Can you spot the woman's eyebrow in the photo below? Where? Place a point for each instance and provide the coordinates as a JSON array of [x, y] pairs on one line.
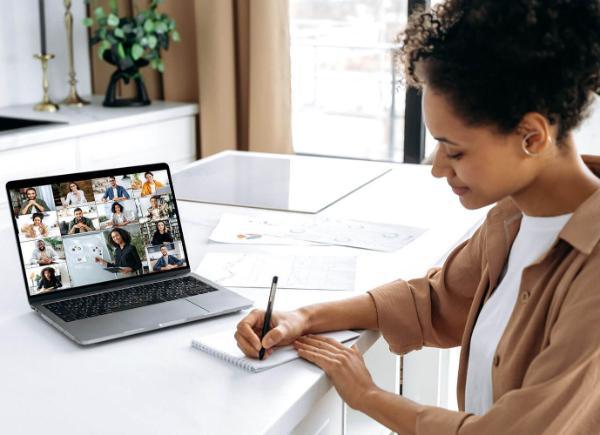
[[445, 140]]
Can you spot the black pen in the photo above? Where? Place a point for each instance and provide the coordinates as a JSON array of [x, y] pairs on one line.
[[267, 321]]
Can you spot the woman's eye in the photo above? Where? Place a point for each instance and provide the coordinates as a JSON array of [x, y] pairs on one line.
[[454, 156]]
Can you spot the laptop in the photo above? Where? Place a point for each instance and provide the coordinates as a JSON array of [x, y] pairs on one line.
[[103, 254]]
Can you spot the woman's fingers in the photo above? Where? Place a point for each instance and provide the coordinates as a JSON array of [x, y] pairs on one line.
[[245, 345], [318, 358], [245, 330], [329, 352], [325, 343]]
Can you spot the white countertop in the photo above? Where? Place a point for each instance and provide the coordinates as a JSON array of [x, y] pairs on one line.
[[81, 121], [156, 383]]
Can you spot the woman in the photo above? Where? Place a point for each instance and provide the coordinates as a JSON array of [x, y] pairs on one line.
[[49, 281], [36, 229], [150, 186], [126, 255], [75, 196], [157, 209], [118, 217], [162, 234], [504, 84]]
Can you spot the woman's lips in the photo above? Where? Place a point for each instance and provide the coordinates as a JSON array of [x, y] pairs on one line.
[[460, 190]]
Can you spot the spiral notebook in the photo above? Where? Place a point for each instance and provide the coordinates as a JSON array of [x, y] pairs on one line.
[[223, 346]]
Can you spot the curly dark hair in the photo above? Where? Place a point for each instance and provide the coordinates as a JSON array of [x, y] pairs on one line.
[[114, 205], [124, 235], [495, 60]]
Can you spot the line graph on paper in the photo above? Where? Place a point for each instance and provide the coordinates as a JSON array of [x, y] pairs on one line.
[[294, 271]]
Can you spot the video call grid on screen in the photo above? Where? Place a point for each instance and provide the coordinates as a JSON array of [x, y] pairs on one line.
[[84, 231]]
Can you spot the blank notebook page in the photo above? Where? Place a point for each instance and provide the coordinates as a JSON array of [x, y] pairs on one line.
[[223, 346]]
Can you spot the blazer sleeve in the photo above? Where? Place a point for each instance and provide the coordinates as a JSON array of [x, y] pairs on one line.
[[559, 393], [432, 310], [124, 193]]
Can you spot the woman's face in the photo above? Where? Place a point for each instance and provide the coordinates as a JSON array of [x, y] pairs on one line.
[[116, 237], [161, 227], [47, 274], [149, 178], [37, 221], [481, 165], [117, 208], [73, 187]]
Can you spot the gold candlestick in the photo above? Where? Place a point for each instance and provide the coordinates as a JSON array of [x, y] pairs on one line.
[[46, 105], [73, 99]]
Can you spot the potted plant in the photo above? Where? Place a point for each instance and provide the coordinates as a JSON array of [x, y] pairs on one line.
[[131, 43]]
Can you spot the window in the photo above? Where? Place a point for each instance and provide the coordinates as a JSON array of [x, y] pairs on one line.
[[346, 99]]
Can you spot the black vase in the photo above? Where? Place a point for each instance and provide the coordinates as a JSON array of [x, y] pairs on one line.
[[127, 70]]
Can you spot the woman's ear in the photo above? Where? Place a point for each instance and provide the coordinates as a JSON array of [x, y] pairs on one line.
[[536, 134]]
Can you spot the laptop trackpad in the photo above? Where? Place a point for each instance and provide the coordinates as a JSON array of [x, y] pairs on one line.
[[163, 314]]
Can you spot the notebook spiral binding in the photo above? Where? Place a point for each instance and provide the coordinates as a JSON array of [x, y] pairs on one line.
[[238, 362]]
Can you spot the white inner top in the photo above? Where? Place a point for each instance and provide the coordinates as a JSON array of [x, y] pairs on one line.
[[536, 235]]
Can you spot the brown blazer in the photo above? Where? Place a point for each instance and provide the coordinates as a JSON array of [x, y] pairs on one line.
[[546, 371]]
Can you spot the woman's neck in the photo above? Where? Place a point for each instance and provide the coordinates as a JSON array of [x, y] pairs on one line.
[[560, 188]]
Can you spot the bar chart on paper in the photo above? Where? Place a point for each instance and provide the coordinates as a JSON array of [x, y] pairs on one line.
[[294, 271]]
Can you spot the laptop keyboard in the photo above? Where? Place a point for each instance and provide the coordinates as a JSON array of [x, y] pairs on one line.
[[126, 299]]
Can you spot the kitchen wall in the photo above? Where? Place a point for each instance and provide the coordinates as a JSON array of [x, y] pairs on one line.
[[20, 73]]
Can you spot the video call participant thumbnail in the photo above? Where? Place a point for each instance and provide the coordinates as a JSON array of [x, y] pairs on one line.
[[126, 255], [151, 185], [158, 209], [37, 228], [162, 234], [43, 254], [33, 204], [114, 192], [166, 261], [75, 196], [80, 224], [118, 218], [49, 280]]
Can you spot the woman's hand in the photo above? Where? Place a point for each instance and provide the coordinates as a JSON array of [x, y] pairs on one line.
[[344, 366], [126, 269], [286, 326], [101, 261]]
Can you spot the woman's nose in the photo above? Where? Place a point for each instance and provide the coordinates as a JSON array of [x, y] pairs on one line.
[[440, 167]]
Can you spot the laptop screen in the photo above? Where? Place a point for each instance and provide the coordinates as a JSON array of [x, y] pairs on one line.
[[81, 230]]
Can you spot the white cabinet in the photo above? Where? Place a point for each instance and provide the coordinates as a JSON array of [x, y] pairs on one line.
[[95, 137]]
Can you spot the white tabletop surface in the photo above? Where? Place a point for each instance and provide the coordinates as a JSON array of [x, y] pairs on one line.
[[90, 119], [156, 383]]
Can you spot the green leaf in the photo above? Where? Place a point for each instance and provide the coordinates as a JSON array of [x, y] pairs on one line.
[[175, 36], [87, 22], [172, 24], [149, 26], [160, 27], [113, 20], [152, 41], [154, 63], [119, 33], [104, 45], [99, 12], [161, 66], [121, 51], [136, 51], [144, 42]]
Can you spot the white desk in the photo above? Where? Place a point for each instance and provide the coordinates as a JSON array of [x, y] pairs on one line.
[[157, 384]]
